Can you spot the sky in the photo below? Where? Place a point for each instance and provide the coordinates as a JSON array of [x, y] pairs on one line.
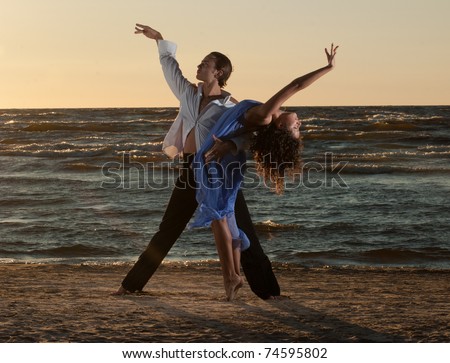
[[84, 53]]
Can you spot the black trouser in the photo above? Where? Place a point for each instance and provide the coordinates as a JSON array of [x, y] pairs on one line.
[[182, 205]]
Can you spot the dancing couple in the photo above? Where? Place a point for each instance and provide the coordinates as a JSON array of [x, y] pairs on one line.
[[211, 131]]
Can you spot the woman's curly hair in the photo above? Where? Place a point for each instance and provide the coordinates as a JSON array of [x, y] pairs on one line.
[[276, 153]]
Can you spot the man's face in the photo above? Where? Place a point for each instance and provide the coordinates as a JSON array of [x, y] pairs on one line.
[[206, 70]]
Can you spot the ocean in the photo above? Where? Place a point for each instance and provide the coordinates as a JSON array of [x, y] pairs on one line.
[[90, 186]]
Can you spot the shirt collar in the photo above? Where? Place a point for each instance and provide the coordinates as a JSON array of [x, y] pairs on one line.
[[226, 96]]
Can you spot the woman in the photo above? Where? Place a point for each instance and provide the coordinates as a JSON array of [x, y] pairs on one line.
[[275, 149]]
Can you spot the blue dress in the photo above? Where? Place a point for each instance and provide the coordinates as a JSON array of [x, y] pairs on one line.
[[218, 183]]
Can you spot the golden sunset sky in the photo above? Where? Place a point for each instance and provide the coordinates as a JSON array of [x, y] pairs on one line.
[[84, 53]]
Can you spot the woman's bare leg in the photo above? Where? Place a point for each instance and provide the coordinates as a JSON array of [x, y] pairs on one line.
[[237, 264], [222, 236], [237, 259]]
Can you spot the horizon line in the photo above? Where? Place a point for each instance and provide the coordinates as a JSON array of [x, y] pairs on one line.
[[176, 107]]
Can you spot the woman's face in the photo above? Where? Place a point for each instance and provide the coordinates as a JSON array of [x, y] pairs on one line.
[[206, 70], [289, 121]]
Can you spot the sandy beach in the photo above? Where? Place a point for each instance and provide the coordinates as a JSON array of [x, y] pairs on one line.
[[72, 303]]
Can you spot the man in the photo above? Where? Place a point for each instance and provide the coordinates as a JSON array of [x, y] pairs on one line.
[[200, 107]]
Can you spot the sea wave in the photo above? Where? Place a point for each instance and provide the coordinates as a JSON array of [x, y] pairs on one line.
[[426, 257], [65, 149], [80, 167], [357, 168], [14, 201], [79, 127], [270, 226], [76, 250]]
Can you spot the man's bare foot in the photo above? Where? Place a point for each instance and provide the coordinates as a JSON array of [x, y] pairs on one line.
[[278, 297], [121, 292]]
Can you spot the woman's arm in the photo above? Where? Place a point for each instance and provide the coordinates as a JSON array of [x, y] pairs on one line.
[[264, 113]]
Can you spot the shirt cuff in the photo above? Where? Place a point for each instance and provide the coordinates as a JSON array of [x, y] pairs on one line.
[[166, 47]]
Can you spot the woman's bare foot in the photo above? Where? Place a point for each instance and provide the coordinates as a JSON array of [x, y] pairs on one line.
[[232, 286], [121, 292], [238, 286]]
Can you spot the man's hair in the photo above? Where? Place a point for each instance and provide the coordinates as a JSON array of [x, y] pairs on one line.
[[223, 64]]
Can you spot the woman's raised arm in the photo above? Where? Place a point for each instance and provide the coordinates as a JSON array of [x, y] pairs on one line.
[[264, 113]]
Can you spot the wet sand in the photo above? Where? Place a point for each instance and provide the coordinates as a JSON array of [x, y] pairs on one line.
[[186, 303]]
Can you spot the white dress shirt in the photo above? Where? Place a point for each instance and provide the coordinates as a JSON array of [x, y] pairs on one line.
[[189, 95]]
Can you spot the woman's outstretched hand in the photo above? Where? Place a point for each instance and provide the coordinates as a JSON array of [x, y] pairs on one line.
[[147, 31], [331, 54]]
